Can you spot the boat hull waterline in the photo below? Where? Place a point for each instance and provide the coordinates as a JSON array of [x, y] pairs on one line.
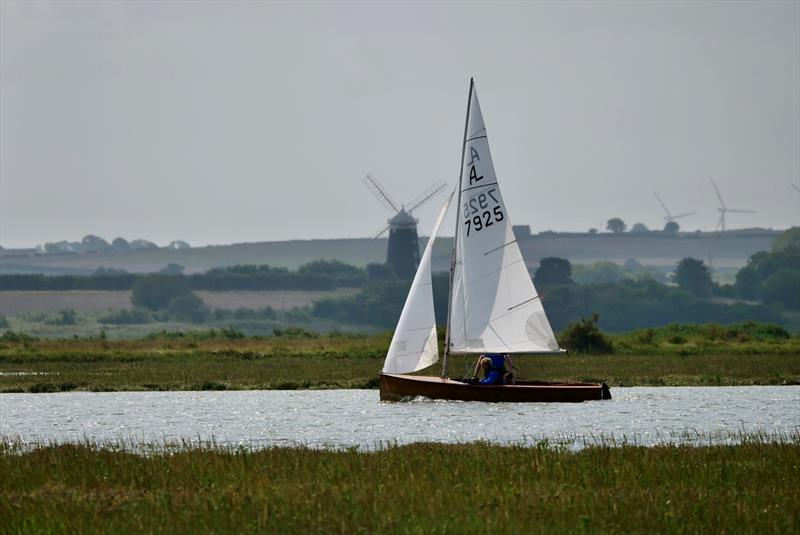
[[400, 387]]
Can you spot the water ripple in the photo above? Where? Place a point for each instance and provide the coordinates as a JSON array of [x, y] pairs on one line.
[[355, 418]]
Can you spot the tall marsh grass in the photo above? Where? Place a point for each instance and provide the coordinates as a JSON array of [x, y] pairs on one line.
[[420, 488]]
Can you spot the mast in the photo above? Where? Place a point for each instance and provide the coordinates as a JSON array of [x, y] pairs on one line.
[[455, 235]]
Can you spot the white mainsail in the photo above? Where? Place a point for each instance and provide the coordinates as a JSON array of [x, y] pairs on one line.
[[494, 305], [414, 344]]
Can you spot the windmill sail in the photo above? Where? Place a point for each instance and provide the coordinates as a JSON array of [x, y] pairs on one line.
[[414, 344], [494, 305]]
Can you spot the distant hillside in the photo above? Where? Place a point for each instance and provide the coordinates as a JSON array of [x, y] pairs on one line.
[[290, 254], [725, 249], [729, 249]]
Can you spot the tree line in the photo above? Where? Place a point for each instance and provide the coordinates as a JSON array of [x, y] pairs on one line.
[[621, 306], [92, 243], [317, 275], [770, 277]]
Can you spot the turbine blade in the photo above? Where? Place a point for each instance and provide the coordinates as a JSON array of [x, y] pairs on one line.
[[717, 191], [795, 186], [380, 193], [683, 215], [740, 211], [426, 195], [664, 206]]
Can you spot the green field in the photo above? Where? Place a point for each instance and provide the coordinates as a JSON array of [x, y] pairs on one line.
[[421, 488], [87, 325], [207, 360], [40, 303]]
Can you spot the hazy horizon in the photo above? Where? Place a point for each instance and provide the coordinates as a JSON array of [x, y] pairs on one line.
[[219, 123]]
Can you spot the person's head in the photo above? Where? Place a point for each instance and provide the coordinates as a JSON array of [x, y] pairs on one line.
[[485, 363]]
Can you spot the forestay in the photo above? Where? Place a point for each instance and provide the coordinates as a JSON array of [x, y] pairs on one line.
[[494, 306], [414, 344]]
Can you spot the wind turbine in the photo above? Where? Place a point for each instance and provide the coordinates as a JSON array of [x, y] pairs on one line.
[[724, 209], [669, 217]]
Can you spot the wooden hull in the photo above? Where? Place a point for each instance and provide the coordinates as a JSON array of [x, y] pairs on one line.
[[396, 387]]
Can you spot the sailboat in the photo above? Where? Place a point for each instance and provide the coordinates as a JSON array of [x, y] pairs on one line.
[[493, 307]]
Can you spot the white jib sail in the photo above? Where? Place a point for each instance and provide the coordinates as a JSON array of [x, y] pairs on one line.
[[495, 308], [414, 344]]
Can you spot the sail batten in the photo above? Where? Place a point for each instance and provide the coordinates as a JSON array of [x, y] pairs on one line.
[[499, 247]]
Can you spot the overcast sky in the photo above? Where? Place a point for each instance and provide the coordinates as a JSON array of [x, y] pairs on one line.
[[238, 122]]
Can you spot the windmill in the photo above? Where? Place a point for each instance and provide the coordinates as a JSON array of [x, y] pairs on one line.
[[724, 209], [669, 218], [403, 250]]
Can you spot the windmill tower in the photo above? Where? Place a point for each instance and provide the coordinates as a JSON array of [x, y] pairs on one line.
[[403, 250], [724, 209], [668, 217]]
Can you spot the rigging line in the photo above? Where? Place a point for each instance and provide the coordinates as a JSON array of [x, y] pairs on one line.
[[529, 326], [524, 302], [481, 186], [464, 305], [477, 351], [501, 268], [543, 337], [405, 355], [476, 137], [509, 311], [428, 328], [458, 224], [523, 351], [513, 347], [413, 353], [487, 253], [479, 330], [499, 337]]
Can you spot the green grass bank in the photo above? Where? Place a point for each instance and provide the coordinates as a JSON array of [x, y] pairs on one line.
[[421, 488], [677, 355]]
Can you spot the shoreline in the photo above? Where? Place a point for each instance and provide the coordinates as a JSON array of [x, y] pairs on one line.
[[673, 356]]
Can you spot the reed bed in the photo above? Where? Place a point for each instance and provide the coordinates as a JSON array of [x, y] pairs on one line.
[[421, 488], [195, 362]]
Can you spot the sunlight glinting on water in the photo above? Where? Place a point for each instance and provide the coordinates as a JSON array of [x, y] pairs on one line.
[[355, 418]]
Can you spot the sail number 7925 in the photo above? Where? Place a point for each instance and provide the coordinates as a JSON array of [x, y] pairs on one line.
[[482, 211]]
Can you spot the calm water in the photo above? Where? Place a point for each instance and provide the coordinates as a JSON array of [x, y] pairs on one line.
[[345, 418]]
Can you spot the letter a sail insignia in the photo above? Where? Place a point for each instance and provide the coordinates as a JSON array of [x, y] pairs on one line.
[[473, 156]]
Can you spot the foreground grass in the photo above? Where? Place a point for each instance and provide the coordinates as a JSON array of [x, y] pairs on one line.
[[674, 356], [422, 488]]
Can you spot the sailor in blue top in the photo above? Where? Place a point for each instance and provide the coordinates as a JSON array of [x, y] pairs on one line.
[[494, 369]]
